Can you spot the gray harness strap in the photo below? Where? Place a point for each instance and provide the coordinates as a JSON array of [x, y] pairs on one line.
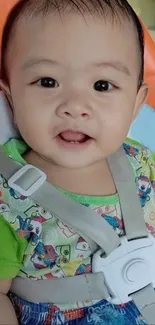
[[131, 210], [84, 220], [91, 286], [77, 216], [145, 301], [61, 291]]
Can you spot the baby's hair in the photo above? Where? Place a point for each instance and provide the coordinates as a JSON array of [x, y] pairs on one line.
[[33, 8]]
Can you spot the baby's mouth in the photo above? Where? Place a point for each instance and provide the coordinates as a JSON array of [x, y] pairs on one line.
[[73, 137]]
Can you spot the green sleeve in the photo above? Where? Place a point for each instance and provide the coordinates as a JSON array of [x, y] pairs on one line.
[[134, 143], [12, 248]]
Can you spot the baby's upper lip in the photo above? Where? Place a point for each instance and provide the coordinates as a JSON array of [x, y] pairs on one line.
[[75, 130]]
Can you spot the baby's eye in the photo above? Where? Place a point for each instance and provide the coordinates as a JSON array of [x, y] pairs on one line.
[[48, 83], [103, 85]]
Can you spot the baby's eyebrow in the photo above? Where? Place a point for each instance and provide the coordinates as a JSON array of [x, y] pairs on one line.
[[114, 65], [31, 63]]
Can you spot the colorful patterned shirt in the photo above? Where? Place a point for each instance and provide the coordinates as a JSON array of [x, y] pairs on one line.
[[36, 244]]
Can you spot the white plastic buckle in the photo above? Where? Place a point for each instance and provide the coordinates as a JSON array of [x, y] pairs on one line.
[[34, 186], [128, 269]]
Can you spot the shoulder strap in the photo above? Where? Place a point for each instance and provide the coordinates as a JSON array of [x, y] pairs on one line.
[[75, 215], [123, 176], [80, 217]]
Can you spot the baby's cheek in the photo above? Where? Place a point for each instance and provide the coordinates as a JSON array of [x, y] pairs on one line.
[[30, 128]]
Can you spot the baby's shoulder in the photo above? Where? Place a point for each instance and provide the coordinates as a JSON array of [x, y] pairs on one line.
[[20, 212], [141, 159]]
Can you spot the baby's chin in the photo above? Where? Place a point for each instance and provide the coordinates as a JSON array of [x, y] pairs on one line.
[[73, 163]]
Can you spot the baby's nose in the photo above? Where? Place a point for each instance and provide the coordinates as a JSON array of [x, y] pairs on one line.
[[74, 110]]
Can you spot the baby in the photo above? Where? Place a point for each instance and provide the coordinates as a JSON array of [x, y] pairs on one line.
[[72, 72]]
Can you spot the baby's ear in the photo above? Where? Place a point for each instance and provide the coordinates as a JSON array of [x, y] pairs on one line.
[[7, 92], [140, 99]]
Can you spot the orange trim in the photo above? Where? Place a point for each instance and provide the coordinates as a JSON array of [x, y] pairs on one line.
[[5, 6], [74, 314], [149, 69]]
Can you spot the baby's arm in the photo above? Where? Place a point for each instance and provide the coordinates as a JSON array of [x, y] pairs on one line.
[[12, 248], [7, 313]]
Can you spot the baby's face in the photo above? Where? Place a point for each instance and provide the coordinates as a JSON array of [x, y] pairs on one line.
[[73, 83]]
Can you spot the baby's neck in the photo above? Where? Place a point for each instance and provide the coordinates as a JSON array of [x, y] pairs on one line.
[[92, 180]]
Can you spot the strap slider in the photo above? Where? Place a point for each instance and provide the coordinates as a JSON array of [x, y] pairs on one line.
[[27, 180]]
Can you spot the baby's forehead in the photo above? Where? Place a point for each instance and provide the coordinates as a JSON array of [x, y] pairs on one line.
[[55, 36]]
